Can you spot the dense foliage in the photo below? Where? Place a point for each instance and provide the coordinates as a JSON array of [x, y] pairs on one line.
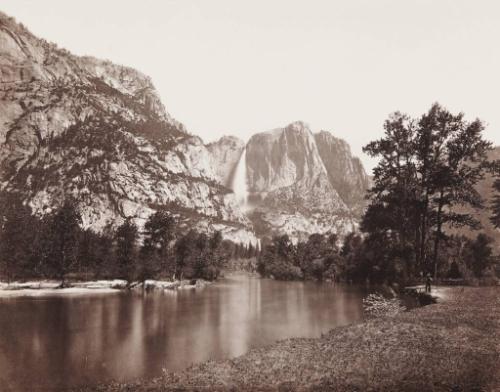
[[55, 246], [319, 258], [361, 260], [427, 173]]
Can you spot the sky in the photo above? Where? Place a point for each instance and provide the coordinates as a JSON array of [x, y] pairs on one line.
[[230, 67]]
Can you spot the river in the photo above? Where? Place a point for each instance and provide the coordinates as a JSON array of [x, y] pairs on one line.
[[55, 341]]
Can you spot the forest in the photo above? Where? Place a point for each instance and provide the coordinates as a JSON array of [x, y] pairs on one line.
[[56, 247]]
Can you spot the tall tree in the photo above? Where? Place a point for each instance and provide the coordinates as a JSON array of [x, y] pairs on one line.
[[94, 252], [126, 253], [459, 162], [159, 231], [64, 230], [201, 256], [185, 255], [217, 257], [393, 215], [17, 230], [426, 169]]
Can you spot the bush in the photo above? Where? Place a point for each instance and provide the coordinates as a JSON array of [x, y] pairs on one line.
[[282, 270], [454, 272]]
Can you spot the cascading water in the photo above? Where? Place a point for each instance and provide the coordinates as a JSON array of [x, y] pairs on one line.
[[239, 184]]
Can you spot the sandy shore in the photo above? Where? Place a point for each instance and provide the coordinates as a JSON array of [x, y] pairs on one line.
[[51, 287]]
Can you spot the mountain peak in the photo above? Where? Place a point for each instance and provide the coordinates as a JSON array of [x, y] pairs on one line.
[[299, 126], [228, 139]]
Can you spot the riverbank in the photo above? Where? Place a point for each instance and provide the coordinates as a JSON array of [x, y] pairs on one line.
[[50, 287], [451, 345]]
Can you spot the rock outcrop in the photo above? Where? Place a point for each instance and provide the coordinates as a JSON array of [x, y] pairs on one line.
[[345, 172], [283, 157], [98, 131], [226, 153], [290, 186]]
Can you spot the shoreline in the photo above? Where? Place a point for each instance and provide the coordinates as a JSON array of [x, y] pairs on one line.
[[450, 345], [54, 287]]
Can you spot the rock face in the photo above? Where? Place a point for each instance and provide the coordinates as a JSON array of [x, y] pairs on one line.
[[283, 157], [98, 131], [345, 172], [292, 189], [226, 153]]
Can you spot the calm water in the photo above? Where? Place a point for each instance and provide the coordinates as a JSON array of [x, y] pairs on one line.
[[67, 340]]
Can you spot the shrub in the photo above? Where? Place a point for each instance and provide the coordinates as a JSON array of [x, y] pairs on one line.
[[376, 305], [284, 271]]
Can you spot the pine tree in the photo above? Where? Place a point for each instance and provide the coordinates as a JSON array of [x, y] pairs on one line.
[[159, 231], [63, 235], [216, 257], [185, 254], [250, 251], [17, 230], [126, 254], [201, 256], [103, 250]]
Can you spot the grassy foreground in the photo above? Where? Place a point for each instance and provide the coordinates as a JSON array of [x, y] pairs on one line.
[[450, 346]]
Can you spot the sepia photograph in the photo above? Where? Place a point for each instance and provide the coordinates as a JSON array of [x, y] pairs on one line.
[[265, 195]]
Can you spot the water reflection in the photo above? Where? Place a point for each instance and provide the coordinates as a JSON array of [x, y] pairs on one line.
[[65, 341]]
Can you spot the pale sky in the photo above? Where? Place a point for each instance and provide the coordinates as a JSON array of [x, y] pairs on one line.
[[240, 67]]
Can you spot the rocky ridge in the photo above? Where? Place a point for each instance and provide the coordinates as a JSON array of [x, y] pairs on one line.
[[226, 152], [98, 131], [345, 172]]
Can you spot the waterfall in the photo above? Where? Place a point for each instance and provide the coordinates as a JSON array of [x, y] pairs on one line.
[[239, 183]]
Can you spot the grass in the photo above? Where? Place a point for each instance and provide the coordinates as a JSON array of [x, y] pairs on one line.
[[450, 346]]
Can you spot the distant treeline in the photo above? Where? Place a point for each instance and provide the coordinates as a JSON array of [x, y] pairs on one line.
[[55, 246], [356, 259]]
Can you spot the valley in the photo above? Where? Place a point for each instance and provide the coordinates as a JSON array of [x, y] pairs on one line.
[[135, 255], [88, 129]]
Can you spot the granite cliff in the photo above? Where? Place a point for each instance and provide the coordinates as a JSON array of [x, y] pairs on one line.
[[298, 182], [98, 131]]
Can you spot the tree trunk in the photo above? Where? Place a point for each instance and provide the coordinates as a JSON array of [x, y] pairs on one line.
[[438, 234], [417, 245], [425, 189], [423, 232], [62, 266]]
